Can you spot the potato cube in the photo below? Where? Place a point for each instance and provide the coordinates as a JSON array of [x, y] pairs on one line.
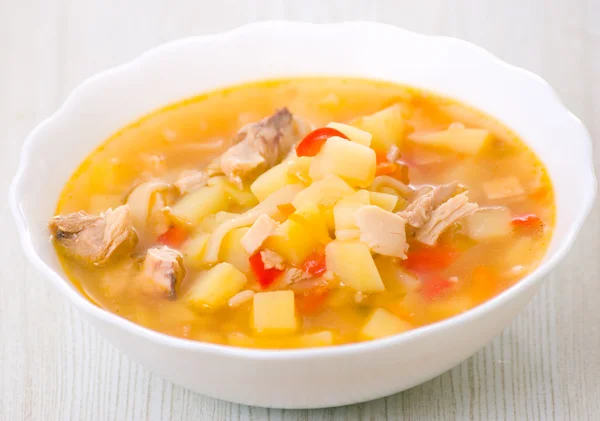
[[352, 263], [387, 127], [383, 323], [213, 288], [385, 201], [456, 137], [313, 221], [488, 224], [200, 203], [353, 162], [291, 242], [503, 188], [193, 248], [232, 251], [274, 312], [323, 193], [352, 133], [346, 207], [241, 197], [288, 172]]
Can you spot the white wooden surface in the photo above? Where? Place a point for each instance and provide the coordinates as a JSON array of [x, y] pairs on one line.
[[545, 366]]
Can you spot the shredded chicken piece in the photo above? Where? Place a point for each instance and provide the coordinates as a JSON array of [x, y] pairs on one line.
[[240, 298], [190, 180], [426, 200], [272, 260], [384, 232], [164, 267], [262, 228], [445, 215], [259, 146], [94, 238], [293, 275]]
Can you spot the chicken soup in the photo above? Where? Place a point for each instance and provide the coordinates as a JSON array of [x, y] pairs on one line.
[[303, 213]]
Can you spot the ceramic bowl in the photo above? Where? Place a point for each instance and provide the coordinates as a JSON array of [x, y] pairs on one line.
[[304, 378]]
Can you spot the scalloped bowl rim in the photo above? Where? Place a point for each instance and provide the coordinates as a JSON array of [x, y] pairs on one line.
[[138, 64]]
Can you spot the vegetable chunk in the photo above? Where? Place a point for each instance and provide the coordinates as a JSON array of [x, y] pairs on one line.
[[212, 289], [387, 127], [353, 162], [353, 264], [383, 323], [200, 203], [273, 312]]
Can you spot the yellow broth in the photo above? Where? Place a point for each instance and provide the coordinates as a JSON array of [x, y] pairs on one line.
[[188, 135]]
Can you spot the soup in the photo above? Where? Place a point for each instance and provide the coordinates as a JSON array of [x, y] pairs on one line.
[[302, 213]]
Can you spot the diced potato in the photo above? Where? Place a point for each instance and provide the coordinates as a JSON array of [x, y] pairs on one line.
[[213, 288], [457, 138], [383, 323], [519, 253], [313, 221], [288, 172], [243, 198], [352, 263], [353, 162], [291, 242], [274, 312], [387, 127], [232, 250], [488, 224], [384, 200], [200, 203], [323, 193], [353, 133], [323, 338], [503, 188], [394, 277], [346, 207], [193, 248]]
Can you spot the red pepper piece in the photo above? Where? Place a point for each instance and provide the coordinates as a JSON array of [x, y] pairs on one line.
[[314, 141], [264, 276]]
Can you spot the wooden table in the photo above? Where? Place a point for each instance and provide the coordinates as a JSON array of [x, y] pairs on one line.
[[53, 366]]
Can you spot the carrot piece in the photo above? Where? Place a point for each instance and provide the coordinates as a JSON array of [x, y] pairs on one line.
[[315, 264], [314, 141], [173, 237], [528, 221], [312, 300], [429, 259], [385, 168], [484, 283], [264, 276]]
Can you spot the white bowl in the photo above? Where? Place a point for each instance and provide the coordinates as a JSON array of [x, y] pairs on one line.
[[312, 377]]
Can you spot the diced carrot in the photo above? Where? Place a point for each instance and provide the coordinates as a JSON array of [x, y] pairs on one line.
[[314, 141], [385, 168], [174, 237], [311, 301], [528, 221], [429, 259], [286, 209], [380, 157], [484, 283], [315, 264], [264, 276], [434, 287]]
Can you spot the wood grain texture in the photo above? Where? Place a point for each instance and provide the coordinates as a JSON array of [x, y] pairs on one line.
[[545, 366]]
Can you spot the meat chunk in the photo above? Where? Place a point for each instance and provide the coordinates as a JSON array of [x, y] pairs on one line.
[[259, 146], [443, 216], [164, 267], [94, 238], [272, 260], [426, 200], [191, 180], [262, 228], [384, 232]]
